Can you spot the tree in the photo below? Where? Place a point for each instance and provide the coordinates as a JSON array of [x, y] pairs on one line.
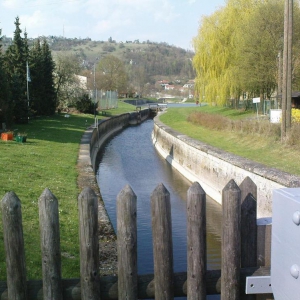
[[42, 92], [138, 78], [215, 56], [48, 68], [66, 83], [260, 39], [6, 108], [112, 74], [37, 79], [237, 50], [15, 64]]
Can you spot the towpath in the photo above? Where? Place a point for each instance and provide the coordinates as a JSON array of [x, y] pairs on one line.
[[107, 236]]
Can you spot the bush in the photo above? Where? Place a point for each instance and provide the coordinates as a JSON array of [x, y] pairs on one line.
[[246, 126], [85, 104], [295, 115], [293, 136]]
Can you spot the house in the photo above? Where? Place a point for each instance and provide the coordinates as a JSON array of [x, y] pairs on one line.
[[295, 99], [169, 87], [162, 83], [82, 81]]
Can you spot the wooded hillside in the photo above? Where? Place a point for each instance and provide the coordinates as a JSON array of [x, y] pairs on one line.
[[159, 60]]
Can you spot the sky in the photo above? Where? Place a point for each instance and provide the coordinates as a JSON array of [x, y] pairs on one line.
[[175, 22]]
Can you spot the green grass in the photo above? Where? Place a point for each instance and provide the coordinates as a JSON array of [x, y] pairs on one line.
[[47, 160], [260, 148]]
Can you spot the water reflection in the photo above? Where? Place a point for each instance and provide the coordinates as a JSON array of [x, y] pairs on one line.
[[130, 158]]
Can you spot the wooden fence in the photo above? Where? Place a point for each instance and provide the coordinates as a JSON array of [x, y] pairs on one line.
[[239, 244]]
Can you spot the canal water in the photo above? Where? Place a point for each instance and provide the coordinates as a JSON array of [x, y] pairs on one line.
[[130, 158]]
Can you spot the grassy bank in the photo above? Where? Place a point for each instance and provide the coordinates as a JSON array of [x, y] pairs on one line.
[[47, 160], [260, 147]]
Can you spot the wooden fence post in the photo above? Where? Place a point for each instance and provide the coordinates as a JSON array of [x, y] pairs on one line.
[[196, 243], [231, 242], [50, 244], [248, 228], [127, 244], [162, 243], [89, 245], [14, 247]]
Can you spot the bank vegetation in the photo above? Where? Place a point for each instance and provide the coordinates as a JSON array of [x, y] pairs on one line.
[[240, 132]]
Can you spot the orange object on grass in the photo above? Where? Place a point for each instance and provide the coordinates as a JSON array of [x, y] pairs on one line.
[[6, 136]]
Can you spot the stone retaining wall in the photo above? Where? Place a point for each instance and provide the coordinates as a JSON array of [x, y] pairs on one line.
[[214, 168]]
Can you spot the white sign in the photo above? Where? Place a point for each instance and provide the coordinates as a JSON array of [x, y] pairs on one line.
[[275, 115], [256, 100]]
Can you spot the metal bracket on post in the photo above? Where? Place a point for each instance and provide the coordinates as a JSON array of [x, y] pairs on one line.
[[258, 285]]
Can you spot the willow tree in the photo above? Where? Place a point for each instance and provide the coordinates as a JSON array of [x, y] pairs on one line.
[[237, 48], [216, 57]]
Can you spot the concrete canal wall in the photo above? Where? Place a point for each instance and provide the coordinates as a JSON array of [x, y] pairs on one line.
[[214, 168]]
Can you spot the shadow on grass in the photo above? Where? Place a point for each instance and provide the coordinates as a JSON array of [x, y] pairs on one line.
[[57, 128]]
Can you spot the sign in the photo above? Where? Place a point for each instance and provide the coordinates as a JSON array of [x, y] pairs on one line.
[[275, 115], [256, 100]]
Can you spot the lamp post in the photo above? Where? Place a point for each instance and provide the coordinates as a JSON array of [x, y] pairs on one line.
[[95, 94]]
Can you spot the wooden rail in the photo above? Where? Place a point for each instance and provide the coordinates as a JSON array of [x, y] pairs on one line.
[[238, 249]]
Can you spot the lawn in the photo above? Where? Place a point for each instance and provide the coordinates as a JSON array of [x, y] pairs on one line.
[[47, 160]]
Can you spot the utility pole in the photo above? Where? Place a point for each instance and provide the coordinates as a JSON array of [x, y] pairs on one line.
[[287, 69], [279, 81]]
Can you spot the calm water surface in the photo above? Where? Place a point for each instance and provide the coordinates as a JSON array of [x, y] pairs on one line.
[[130, 158]]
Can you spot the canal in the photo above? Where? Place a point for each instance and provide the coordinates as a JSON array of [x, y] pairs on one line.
[[130, 158]]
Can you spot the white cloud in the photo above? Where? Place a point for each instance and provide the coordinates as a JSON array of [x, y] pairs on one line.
[[37, 19], [11, 4], [156, 20], [166, 12], [160, 10]]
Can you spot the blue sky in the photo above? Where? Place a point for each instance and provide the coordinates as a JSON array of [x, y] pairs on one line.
[[175, 22]]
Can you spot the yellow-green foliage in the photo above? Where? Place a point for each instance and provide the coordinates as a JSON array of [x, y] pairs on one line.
[[215, 60], [295, 115], [236, 50]]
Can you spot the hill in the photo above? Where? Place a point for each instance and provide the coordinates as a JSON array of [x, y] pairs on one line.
[[155, 61], [159, 60]]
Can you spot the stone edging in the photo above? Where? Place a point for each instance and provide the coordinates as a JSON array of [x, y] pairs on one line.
[[107, 236]]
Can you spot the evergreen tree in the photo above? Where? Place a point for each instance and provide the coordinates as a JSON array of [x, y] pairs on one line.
[[37, 78], [48, 75], [5, 103], [15, 62], [42, 92]]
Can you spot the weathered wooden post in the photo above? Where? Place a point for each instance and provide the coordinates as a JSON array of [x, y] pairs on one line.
[[50, 244], [231, 242], [127, 244], [14, 247], [162, 243], [89, 245], [196, 243], [248, 228]]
